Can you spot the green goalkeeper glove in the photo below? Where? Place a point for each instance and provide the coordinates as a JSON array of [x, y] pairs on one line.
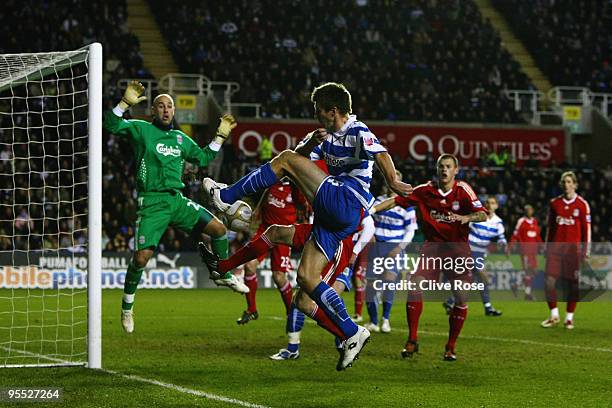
[[132, 95], [226, 124]]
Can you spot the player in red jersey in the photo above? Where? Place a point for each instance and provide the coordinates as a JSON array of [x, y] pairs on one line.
[[528, 236], [279, 205], [447, 207], [568, 244]]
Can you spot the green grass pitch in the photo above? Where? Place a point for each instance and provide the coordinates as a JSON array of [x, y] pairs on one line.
[[189, 338]]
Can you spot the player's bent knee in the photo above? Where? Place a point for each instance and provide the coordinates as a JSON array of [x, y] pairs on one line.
[[304, 303], [215, 229], [280, 234], [141, 257]]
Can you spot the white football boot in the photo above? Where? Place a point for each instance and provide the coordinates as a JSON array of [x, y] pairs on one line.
[[127, 320], [352, 347], [233, 283], [213, 191], [385, 327]]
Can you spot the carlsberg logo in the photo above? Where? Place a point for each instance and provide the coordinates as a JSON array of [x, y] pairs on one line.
[[168, 150]]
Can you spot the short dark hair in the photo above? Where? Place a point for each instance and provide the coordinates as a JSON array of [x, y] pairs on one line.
[[332, 95]]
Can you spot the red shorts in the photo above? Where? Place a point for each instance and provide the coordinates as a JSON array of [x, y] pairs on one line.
[[530, 261], [450, 259], [341, 258], [280, 257], [565, 265]]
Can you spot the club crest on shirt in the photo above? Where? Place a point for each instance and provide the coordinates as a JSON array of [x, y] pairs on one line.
[[455, 205], [179, 139], [576, 212]]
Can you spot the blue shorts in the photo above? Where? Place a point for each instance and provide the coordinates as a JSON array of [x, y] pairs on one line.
[[337, 215], [345, 277]]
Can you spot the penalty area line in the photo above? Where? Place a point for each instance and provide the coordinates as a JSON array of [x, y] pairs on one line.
[[500, 339], [185, 390]]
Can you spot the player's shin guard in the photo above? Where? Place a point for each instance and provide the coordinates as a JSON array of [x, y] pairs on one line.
[[258, 179], [132, 278], [251, 282], [286, 293], [455, 322], [220, 246], [252, 250], [414, 307], [328, 300]]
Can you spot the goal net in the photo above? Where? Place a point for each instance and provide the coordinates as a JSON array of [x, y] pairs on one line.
[[50, 216]]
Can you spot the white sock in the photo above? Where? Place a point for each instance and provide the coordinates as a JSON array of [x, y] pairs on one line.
[[487, 305], [128, 298], [294, 337], [528, 290], [569, 316], [554, 313]]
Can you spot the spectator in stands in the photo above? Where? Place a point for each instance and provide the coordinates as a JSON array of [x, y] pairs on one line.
[[265, 149]]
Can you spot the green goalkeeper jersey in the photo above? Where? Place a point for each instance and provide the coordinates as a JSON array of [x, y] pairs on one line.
[[160, 154]]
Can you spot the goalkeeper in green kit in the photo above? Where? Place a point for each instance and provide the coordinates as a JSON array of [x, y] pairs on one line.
[[160, 152]]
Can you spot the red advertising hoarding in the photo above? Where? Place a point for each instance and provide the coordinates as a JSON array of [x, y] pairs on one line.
[[467, 142]]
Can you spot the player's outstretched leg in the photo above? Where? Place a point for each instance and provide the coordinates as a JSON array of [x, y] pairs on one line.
[[302, 171], [371, 297], [387, 301]]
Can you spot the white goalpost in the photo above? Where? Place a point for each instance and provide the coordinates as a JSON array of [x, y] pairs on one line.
[[51, 208]]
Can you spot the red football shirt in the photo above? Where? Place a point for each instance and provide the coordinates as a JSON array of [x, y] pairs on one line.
[[279, 204], [569, 221], [435, 207], [527, 232]]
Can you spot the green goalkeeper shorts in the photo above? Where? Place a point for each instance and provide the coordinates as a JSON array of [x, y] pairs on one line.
[[157, 211]]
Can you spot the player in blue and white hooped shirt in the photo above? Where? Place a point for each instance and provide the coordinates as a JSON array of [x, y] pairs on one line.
[[339, 200], [482, 234], [395, 229]]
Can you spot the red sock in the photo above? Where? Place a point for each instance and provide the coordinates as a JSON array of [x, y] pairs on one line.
[[455, 322], [252, 250], [287, 295], [251, 282], [571, 306], [325, 322], [527, 280], [413, 314], [551, 298], [359, 295]]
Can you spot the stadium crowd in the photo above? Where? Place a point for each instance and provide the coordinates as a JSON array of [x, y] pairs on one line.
[[387, 56], [403, 60], [570, 40]]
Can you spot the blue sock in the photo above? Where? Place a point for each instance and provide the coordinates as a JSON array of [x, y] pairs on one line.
[[333, 306], [295, 319], [484, 294], [293, 347], [450, 301], [373, 311], [387, 309], [258, 179], [388, 296], [338, 342]]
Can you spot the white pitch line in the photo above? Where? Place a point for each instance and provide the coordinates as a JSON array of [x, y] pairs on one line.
[[170, 386], [502, 339], [186, 390]]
